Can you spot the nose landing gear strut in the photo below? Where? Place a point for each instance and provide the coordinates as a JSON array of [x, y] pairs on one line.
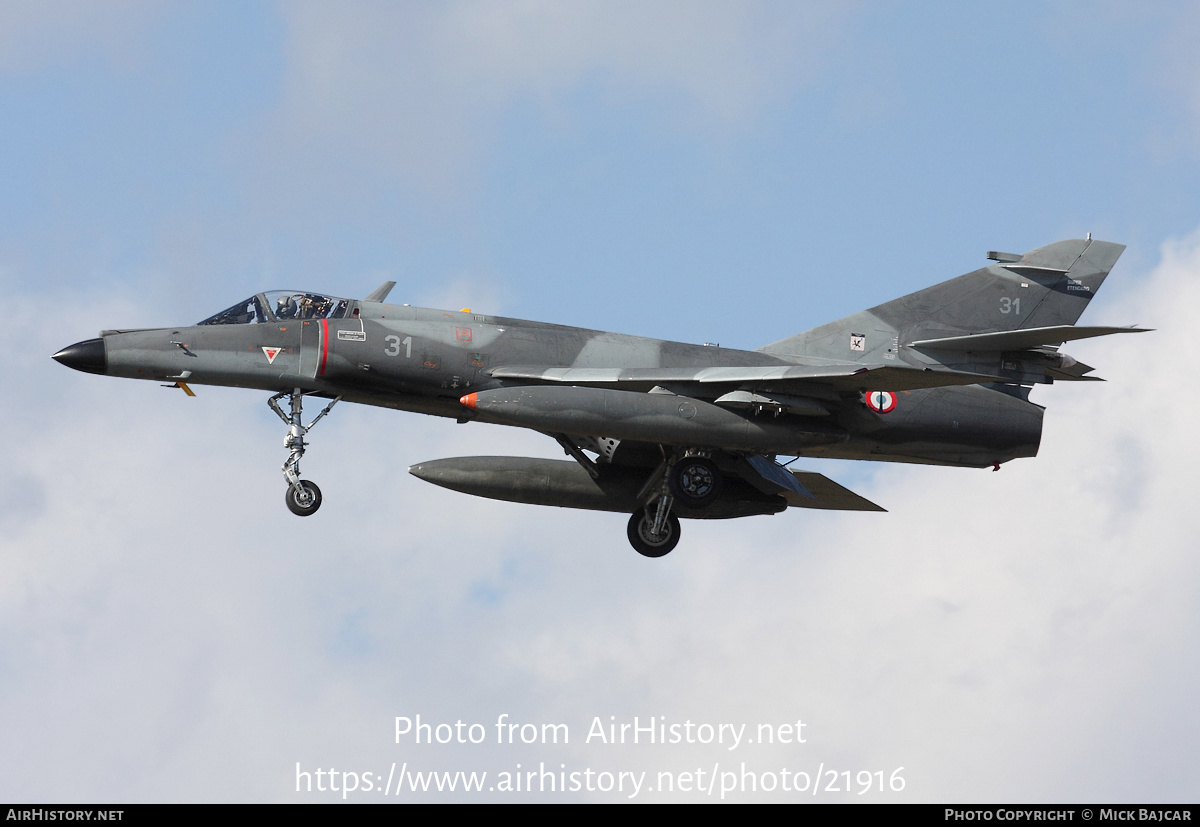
[[303, 497]]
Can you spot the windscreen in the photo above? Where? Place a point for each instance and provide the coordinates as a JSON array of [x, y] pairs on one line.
[[248, 311], [281, 305]]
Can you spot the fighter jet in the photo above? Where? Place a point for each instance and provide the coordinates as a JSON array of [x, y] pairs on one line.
[[656, 429]]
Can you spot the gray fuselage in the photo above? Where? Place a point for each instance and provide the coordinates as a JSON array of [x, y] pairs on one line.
[[424, 360]]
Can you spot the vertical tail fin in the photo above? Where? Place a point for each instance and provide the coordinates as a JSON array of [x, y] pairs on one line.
[[1044, 287]]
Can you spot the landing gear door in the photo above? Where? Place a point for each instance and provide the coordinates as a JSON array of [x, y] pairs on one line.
[[313, 334]]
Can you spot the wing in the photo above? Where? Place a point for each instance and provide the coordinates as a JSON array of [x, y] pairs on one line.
[[827, 494], [801, 489], [837, 379], [847, 377], [1024, 339]]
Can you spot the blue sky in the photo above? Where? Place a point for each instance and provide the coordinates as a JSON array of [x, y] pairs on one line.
[[692, 171]]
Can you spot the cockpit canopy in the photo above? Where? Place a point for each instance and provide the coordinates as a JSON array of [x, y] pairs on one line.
[[281, 306]]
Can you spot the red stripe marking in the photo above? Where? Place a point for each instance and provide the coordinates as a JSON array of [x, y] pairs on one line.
[[324, 346]]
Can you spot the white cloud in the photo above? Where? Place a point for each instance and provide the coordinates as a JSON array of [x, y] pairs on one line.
[[1171, 65], [418, 90], [168, 631], [49, 32]]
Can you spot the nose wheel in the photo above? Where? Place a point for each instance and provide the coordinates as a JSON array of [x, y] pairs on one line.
[[653, 531], [303, 497], [648, 539]]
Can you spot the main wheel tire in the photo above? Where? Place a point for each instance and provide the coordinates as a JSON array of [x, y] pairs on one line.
[[306, 506], [695, 482], [646, 544]]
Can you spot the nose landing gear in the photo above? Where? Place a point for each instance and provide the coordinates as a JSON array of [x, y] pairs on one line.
[[654, 531], [303, 497]]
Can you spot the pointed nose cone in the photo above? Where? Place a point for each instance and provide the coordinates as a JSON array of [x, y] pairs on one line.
[[87, 356]]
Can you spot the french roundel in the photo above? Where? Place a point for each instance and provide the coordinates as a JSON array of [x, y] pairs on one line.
[[881, 401]]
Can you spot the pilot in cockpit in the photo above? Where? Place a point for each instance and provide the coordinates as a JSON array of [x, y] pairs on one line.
[[286, 308]]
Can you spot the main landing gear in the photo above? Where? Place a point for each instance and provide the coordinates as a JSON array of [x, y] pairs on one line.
[[303, 497], [692, 481]]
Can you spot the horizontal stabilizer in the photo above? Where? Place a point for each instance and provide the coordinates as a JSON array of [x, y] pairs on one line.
[[1075, 372], [1022, 339]]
